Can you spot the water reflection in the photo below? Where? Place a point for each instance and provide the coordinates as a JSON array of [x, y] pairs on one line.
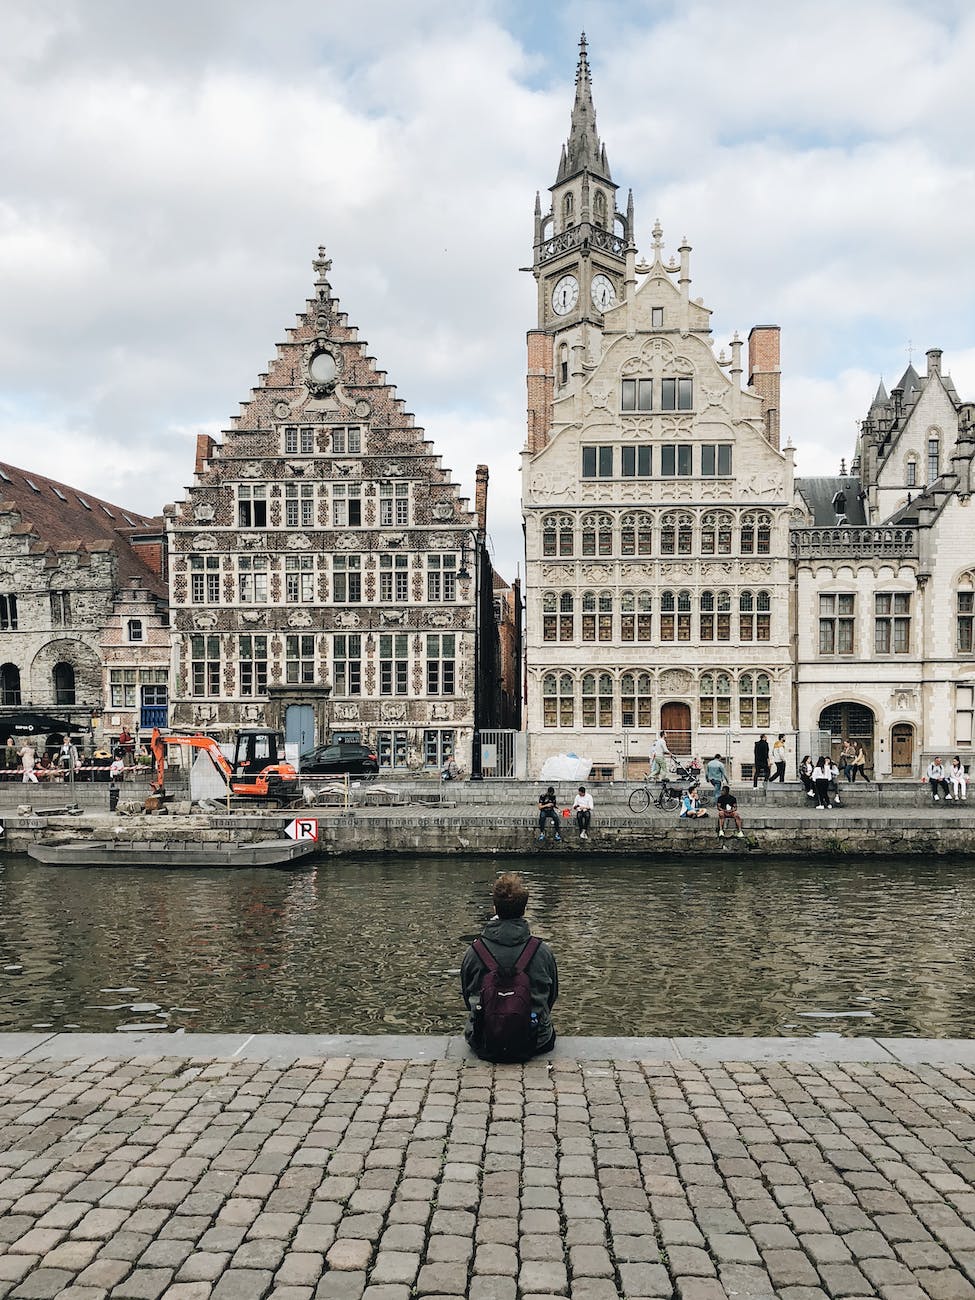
[[373, 946]]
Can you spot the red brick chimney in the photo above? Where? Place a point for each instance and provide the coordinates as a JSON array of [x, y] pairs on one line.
[[541, 388], [765, 376], [204, 450]]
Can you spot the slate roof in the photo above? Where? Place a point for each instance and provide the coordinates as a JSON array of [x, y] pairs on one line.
[[64, 518], [819, 495]]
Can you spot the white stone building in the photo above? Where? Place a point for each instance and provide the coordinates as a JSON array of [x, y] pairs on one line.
[[656, 498]]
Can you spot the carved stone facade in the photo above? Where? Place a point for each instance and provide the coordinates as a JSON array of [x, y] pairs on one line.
[[884, 562], [68, 562], [656, 499], [324, 557]]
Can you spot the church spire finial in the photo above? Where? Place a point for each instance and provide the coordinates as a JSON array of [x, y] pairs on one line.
[[583, 151]]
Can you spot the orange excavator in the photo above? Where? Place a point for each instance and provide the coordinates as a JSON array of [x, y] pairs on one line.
[[259, 770]]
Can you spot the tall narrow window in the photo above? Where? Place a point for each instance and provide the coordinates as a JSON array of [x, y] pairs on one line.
[[965, 619], [563, 365], [441, 664], [8, 613], [911, 469], [9, 684], [252, 505], [597, 535], [299, 659], [676, 461], [892, 622], [299, 505], [636, 395], [64, 690], [934, 459], [60, 608], [205, 665], [347, 664], [347, 505], [558, 700], [836, 623], [299, 577], [715, 700], [252, 579], [394, 663], [656, 318], [964, 715], [557, 535], [441, 577], [205, 579], [636, 462], [754, 700], [756, 533], [394, 579], [253, 665], [636, 534]]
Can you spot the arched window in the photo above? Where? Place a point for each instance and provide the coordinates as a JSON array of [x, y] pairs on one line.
[[754, 698], [627, 616], [934, 458], [715, 700], [568, 209], [756, 533], [676, 534], [557, 535], [557, 616], [9, 684], [599, 210], [965, 615], [558, 700], [683, 616], [597, 535], [644, 616], [566, 616], [63, 684], [597, 700], [716, 533], [636, 534], [588, 616], [668, 605], [707, 615], [911, 471]]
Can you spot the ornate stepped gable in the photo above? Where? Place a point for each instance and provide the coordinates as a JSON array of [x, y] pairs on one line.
[[322, 474]]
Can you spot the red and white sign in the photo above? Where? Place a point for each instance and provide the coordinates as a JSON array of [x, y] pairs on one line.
[[302, 828]]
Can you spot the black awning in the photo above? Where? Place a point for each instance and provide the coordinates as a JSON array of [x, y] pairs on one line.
[[26, 722]]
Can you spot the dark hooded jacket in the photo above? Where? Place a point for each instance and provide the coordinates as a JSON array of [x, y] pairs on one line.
[[505, 940]]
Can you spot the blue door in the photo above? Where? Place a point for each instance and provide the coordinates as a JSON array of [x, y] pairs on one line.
[[299, 726]]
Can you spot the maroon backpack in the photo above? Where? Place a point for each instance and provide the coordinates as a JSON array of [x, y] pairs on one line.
[[503, 1025]]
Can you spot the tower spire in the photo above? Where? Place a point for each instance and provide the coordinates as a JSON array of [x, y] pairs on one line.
[[583, 150]]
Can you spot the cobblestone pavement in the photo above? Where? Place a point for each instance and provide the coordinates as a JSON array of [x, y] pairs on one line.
[[346, 1178]]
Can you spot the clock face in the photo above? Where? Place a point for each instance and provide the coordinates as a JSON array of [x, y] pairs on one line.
[[565, 295], [322, 368], [603, 293]]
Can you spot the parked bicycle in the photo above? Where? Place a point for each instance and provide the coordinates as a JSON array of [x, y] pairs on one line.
[[667, 796]]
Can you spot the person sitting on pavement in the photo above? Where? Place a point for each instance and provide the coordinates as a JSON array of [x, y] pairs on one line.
[[938, 780], [716, 774], [690, 805], [959, 779], [582, 806], [450, 772], [547, 811], [505, 937], [727, 806]]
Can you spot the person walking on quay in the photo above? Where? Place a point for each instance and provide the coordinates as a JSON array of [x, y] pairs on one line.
[[938, 781], [547, 811], [820, 780], [859, 765], [760, 765], [958, 778], [727, 806], [778, 758], [28, 759], [806, 775], [582, 806], [847, 754], [510, 981], [716, 774], [658, 758]]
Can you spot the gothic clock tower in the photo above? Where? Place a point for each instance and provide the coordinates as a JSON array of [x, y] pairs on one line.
[[581, 244]]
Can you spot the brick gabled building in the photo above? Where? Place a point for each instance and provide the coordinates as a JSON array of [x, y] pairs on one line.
[[327, 575], [73, 568]]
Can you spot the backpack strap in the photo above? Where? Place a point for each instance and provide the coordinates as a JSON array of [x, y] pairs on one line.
[[527, 953], [485, 955]]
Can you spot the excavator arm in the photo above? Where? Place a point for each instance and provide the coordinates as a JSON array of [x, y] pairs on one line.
[[157, 746]]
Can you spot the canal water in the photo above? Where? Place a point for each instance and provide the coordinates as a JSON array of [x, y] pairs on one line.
[[713, 946]]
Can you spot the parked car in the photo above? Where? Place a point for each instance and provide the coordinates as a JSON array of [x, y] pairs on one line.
[[334, 760]]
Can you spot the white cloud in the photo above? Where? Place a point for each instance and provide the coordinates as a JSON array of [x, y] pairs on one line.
[[166, 173]]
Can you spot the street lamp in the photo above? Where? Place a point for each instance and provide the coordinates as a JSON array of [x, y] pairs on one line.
[[464, 575]]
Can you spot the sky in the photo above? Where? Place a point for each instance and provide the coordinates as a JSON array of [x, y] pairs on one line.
[[167, 172]]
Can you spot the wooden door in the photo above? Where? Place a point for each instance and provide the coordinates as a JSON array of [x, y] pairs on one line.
[[675, 723], [902, 750]]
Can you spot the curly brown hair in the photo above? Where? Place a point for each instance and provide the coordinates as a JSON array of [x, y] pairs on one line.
[[510, 896]]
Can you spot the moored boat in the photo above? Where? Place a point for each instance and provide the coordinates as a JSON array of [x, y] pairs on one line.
[[172, 853]]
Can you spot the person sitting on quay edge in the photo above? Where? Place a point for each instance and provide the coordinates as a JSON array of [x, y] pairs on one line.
[[546, 811], [938, 780], [506, 938], [582, 806], [716, 774], [958, 778], [450, 772], [820, 779], [727, 806], [690, 805], [806, 775]]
